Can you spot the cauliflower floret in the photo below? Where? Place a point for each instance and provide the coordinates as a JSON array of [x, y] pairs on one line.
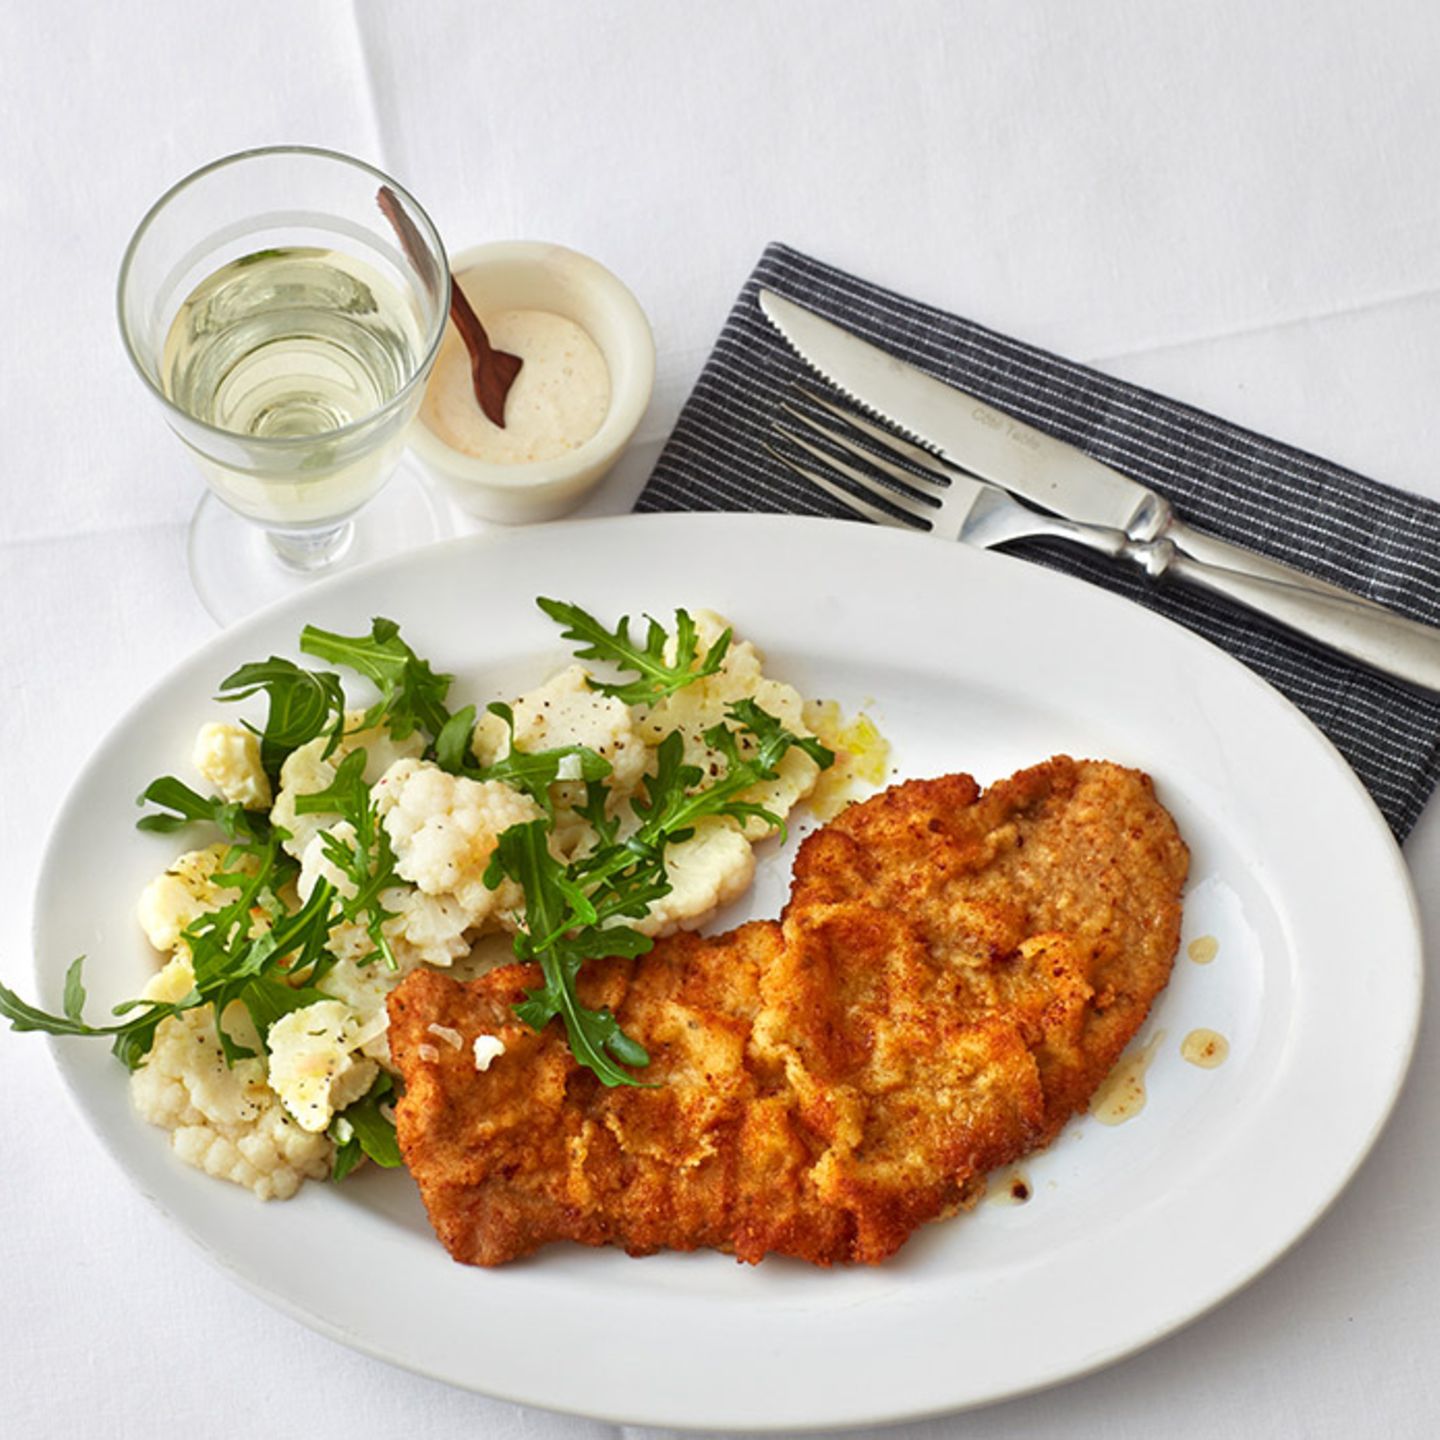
[[313, 1066], [427, 929], [229, 758], [444, 828], [222, 1119], [364, 984], [703, 704], [183, 893], [710, 869], [172, 982], [565, 711], [308, 769], [423, 930]]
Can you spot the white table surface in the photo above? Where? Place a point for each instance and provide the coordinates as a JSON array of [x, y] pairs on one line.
[[1236, 203]]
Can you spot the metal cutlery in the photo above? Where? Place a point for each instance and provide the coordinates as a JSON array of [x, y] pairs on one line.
[[997, 447], [952, 505], [955, 507]]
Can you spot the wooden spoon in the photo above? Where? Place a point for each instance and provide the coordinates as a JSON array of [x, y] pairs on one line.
[[492, 371]]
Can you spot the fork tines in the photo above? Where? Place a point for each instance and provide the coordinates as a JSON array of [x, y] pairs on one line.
[[909, 496]]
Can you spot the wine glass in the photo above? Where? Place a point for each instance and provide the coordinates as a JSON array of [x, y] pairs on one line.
[[288, 333]]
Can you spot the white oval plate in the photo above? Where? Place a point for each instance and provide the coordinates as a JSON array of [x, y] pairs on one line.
[[971, 662]]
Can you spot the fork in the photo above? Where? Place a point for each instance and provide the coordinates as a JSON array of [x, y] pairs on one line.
[[945, 502], [926, 495]]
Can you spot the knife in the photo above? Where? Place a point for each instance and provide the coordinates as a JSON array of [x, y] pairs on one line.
[[997, 447], [986, 442]]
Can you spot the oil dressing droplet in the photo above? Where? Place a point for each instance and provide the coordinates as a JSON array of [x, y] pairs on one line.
[[1205, 1048], [1121, 1095], [1203, 949]]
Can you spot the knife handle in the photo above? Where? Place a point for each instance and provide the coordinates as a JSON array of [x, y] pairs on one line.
[[1210, 550], [1369, 633]]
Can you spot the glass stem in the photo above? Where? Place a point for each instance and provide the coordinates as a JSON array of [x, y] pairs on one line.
[[307, 551]]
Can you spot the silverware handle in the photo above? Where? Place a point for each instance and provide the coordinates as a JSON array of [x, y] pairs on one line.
[[1209, 550], [1362, 630], [1113, 543], [996, 517]]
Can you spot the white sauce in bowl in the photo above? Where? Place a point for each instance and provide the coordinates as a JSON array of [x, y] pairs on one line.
[[558, 401]]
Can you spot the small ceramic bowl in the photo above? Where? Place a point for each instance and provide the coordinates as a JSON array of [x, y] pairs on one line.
[[531, 275]]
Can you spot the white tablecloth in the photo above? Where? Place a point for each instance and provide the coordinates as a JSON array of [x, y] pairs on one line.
[[1234, 203]]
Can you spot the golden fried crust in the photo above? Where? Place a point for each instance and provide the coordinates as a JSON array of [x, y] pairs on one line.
[[1054, 897], [953, 976]]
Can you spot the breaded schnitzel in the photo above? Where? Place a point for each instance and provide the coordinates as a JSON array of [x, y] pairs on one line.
[[954, 974]]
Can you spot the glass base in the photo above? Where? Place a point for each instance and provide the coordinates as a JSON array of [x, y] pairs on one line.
[[236, 568]]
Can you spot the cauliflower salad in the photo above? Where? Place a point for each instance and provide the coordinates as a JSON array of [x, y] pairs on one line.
[[616, 802]]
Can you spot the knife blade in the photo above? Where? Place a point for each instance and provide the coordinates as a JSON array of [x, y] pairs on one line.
[[978, 438]]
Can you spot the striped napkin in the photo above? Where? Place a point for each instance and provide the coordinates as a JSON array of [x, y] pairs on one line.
[[1270, 497]]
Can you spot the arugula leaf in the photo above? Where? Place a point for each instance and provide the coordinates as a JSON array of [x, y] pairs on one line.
[[347, 794], [135, 1039], [74, 1000], [347, 1149], [303, 704], [766, 742], [375, 1133], [773, 739], [535, 771], [268, 1000], [530, 771], [369, 863], [452, 744], [591, 1032], [132, 1038], [188, 807], [361, 1129], [552, 903], [253, 935], [658, 678], [412, 695], [298, 939], [595, 811]]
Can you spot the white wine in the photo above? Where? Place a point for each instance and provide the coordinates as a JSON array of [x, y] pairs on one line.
[[292, 344], [287, 343]]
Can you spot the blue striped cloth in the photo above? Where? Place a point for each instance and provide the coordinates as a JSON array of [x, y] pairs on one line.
[[1270, 497]]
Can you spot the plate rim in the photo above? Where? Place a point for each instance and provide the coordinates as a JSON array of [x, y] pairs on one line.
[[45, 973]]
